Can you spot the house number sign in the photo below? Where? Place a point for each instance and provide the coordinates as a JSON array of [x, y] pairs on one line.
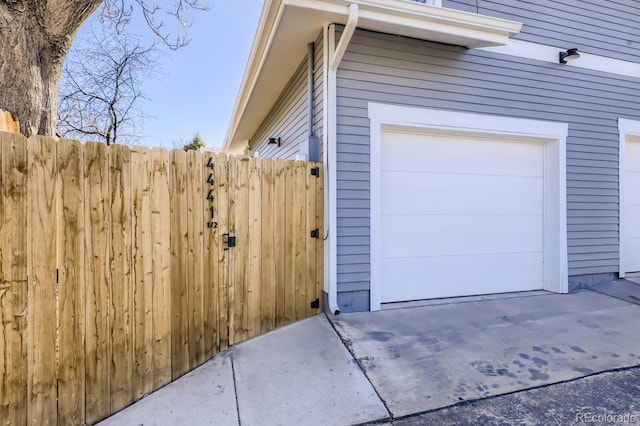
[[211, 224]]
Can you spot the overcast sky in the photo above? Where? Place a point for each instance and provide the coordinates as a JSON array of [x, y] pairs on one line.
[[199, 83]]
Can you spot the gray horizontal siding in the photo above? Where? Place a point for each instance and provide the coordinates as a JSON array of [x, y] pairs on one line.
[[289, 116], [608, 28], [383, 68], [286, 120]]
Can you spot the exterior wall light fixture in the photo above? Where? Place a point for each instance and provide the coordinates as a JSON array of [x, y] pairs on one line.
[[569, 55], [274, 141]]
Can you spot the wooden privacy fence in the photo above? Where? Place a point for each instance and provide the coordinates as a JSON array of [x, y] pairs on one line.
[[123, 268]]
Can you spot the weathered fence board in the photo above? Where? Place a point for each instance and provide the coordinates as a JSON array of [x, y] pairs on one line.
[[13, 284], [254, 272], [42, 297], [209, 257], [161, 268], [319, 223], [222, 223], [119, 272], [195, 235], [98, 285], [267, 240], [239, 227], [290, 258], [141, 169], [312, 245], [121, 315], [179, 278], [301, 234], [71, 297]]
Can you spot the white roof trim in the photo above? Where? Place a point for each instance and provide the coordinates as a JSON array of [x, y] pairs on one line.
[[286, 26]]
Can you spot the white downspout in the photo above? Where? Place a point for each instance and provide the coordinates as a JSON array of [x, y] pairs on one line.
[[335, 54]]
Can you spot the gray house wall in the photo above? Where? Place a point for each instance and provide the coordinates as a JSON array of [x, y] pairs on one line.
[[608, 28], [389, 69], [288, 118]]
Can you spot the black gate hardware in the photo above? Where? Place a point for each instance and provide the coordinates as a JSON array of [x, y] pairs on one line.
[[315, 171], [315, 304], [229, 241], [315, 233]]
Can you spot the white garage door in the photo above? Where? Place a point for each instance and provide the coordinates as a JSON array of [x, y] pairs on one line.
[[630, 209], [460, 215]]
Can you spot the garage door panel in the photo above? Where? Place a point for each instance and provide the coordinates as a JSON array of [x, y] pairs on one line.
[[631, 245], [425, 193], [632, 191], [460, 215], [424, 277], [632, 228], [632, 156], [443, 154], [407, 235], [630, 208]]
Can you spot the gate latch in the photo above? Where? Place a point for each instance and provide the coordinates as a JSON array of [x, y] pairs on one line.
[[229, 241]]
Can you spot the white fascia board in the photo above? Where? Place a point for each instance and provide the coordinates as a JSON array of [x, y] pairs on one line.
[[269, 19], [437, 23]]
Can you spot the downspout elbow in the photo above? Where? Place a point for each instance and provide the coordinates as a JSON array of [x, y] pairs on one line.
[[345, 38]]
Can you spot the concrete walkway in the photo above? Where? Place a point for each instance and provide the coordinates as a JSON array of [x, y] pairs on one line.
[[375, 367]]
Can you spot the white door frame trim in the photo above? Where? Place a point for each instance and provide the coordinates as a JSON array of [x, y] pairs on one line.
[[626, 128], [552, 134]]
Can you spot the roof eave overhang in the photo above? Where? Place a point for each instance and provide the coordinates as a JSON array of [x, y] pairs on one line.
[[286, 26]]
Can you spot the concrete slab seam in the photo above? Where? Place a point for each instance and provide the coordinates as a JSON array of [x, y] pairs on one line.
[[364, 371], [235, 387], [487, 398]]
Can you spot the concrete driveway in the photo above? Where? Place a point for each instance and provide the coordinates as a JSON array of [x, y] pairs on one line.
[[376, 367]]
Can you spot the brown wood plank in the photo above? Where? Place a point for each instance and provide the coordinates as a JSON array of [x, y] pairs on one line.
[[98, 286], [142, 252], [222, 201], [13, 279], [121, 290], [161, 241], [254, 273], [301, 238], [239, 227], [280, 235], [268, 293], [210, 256], [195, 233], [41, 261], [312, 243], [290, 257], [321, 226], [71, 289], [179, 285]]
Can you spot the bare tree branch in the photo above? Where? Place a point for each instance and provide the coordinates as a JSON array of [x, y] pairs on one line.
[[100, 95], [120, 12]]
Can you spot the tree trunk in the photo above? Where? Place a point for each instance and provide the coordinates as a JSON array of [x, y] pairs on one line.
[[35, 37]]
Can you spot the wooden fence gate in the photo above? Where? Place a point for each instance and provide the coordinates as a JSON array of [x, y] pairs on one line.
[[123, 268]]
